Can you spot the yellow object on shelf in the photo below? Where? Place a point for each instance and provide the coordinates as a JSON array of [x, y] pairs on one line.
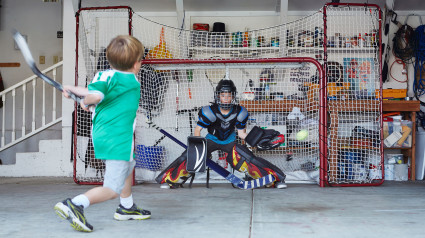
[[392, 93], [333, 89], [406, 132], [160, 51]]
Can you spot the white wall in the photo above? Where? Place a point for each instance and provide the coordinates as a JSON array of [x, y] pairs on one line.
[[40, 22], [413, 21]]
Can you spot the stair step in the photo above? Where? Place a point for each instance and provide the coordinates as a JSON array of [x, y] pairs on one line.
[[49, 161]]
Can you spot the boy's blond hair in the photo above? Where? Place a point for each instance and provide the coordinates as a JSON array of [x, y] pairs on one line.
[[123, 51]]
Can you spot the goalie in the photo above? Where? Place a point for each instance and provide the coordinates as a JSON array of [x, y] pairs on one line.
[[220, 119]]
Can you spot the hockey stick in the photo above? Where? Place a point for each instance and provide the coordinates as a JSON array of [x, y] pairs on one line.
[[23, 46], [240, 183]]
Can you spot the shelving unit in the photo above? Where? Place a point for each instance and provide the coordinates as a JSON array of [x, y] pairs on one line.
[[409, 109]]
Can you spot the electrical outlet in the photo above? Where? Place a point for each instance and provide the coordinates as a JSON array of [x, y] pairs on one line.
[[42, 59], [55, 59]]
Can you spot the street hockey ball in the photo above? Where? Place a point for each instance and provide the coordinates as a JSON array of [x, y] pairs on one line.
[[302, 135]]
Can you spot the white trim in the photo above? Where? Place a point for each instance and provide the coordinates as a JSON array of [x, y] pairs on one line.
[[283, 11], [405, 13], [157, 14], [230, 13]]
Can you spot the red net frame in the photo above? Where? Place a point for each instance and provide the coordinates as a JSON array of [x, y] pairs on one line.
[[327, 153], [372, 105], [80, 115]]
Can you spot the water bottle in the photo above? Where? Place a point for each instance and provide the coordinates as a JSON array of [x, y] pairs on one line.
[[267, 91]]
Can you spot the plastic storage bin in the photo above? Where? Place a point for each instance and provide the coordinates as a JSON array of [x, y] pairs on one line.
[[150, 157]]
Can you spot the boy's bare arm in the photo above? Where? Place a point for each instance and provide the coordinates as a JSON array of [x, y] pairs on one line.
[[77, 90], [242, 133], [89, 99], [198, 130], [92, 99]]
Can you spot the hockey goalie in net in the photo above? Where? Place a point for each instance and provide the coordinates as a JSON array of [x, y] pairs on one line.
[[220, 119]]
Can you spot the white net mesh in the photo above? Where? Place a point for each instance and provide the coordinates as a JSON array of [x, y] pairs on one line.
[[172, 96], [269, 92], [95, 29], [354, 104]]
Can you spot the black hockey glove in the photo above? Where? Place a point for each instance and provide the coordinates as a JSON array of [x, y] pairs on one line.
[[270, 140], [264, 139]]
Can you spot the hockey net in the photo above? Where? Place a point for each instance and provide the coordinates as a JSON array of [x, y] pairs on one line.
[[266, 88], [353, 59], [171, 97]]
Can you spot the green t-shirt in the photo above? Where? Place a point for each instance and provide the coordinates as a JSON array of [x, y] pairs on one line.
[[114, 118]]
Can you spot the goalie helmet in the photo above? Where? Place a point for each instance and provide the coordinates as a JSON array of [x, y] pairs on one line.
[[225, 86]]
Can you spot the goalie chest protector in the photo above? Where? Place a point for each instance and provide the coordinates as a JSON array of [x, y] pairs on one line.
[[219, 125]]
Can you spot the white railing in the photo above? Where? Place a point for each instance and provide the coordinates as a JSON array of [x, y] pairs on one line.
[[16, 117]]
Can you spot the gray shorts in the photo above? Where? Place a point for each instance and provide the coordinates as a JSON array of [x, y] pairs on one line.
[[116, 172]]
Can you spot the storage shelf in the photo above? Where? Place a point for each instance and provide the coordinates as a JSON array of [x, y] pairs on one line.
[[229, 50], [397, 148], [333, 49], [278, 105]]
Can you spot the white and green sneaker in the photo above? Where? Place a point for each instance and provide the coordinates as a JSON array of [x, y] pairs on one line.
[[134, 213], [74, 214]]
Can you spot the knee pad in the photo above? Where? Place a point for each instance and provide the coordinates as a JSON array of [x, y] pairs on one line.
[[243, 160]]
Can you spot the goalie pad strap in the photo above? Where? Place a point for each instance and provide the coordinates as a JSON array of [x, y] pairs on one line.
[[254, 136], [245, 155]]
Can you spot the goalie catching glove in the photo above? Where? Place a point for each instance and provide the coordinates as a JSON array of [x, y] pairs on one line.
[[264, 139]]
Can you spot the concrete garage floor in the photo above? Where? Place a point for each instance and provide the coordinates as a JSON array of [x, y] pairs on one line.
[[394, 209]]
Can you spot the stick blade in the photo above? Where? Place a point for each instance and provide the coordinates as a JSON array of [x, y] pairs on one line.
[[256, 183], [23, 46]]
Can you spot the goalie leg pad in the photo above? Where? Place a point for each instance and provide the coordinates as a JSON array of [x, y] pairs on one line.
[[175, 174], [196, 154], [243, 160]]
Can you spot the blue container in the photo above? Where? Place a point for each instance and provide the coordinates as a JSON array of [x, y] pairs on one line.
[[150, 157], [352, 157]]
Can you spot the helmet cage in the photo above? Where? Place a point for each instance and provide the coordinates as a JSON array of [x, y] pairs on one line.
[[225, 105], [225, 86]]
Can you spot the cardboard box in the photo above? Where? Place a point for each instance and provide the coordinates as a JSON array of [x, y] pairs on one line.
[[392, 93]]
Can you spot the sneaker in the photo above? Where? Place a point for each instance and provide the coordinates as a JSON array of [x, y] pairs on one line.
[[134, 213], [74, 214]]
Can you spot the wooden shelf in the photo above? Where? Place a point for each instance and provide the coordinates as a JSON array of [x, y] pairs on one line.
[[398, 148], [229, 50], [404, 106], [353, 105], [409, 109], [278, 105]]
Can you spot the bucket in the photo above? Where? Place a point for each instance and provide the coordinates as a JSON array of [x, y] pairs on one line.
[[150, 157], [389, 172], [352, 171], [401, 172]]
